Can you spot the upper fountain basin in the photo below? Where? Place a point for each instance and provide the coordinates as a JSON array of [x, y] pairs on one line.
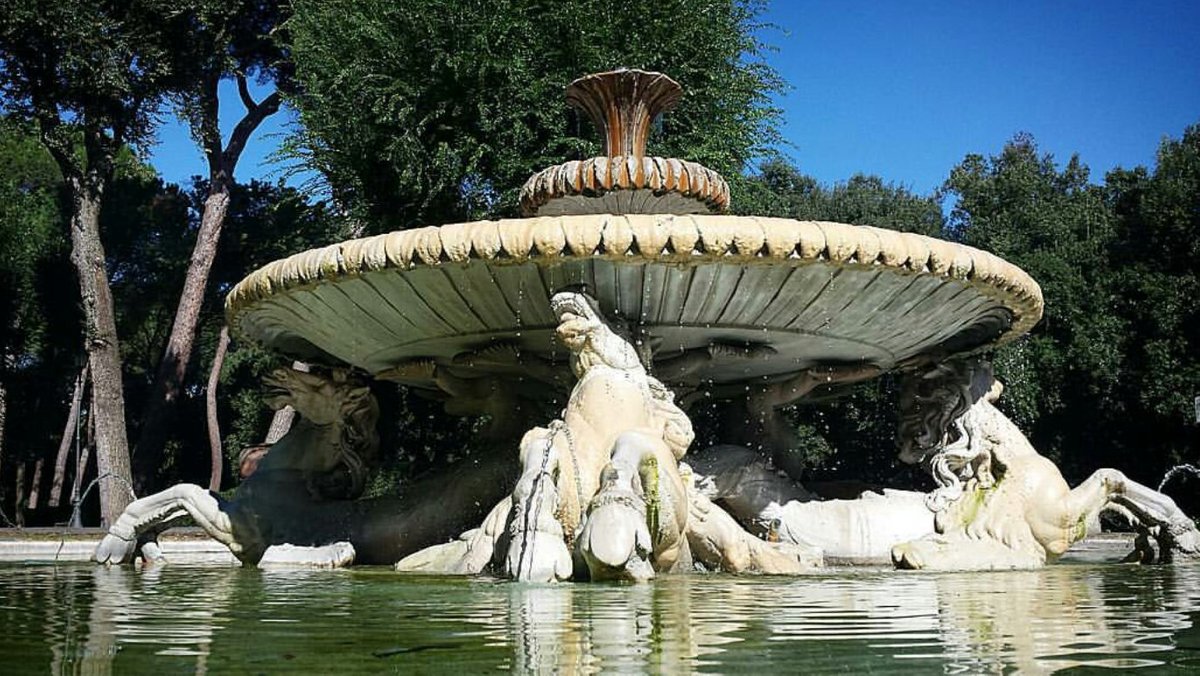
[[806, 293]]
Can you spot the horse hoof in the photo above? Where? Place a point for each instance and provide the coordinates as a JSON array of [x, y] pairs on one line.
[[113, 550], [907, 557]]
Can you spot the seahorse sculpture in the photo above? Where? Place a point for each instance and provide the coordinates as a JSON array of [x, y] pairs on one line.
[[1000, 503], [304, 492]]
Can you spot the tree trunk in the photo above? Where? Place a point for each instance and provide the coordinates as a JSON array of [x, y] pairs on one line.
[[222, 160], [104, 353], [214, 428], [282, 421], [64, 448], [35, 486], [171, 370], [19, 503], [3, 416]]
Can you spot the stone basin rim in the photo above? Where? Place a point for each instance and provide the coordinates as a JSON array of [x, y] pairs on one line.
[[681, 240]]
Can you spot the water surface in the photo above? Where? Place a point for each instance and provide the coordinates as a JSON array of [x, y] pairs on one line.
[[79, 618]]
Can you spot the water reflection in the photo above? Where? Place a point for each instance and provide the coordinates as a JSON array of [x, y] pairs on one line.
[[150, 608], [92, 620]]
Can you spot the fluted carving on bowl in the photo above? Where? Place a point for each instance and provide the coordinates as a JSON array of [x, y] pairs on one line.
[[663, 182]]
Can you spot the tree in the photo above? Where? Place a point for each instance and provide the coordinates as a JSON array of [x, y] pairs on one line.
[[30, 220], [1156, 280], [91, 76], [226, 39], [780, 189], [423, 112]]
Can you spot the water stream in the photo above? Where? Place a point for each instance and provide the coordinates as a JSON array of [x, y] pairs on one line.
[[80, 618]]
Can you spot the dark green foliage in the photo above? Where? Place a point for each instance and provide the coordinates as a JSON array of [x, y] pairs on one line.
[[422, 112], [1156, 281], [1057, 227], [1107, 378], [30, 240], [266, 222], [780, 189], [102, 65], [40, 350], [150, 229]]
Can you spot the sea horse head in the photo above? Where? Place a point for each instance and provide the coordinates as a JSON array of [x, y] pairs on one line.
[[932, 403], [590, 338], [337, 439]]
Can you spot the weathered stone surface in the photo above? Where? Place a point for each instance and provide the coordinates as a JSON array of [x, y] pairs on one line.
[[685, 282], [1000, 504], [335, 555]]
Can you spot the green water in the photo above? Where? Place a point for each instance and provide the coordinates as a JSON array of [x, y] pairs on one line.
[[187, 619]]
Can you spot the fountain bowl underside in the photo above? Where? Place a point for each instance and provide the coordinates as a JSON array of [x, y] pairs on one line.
[[782, 295]]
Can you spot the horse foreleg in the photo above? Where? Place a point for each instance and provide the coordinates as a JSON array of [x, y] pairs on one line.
[[145, 518], [717, 540], [537, 550], [470, 554], [1174, 531]]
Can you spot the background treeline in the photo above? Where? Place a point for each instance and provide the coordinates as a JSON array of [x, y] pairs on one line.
[[423, 112]]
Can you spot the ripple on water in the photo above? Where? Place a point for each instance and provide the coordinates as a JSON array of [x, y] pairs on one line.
[[182, 618]]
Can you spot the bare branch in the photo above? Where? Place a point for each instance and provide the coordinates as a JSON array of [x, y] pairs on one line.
[[243, 130], [244, 92]]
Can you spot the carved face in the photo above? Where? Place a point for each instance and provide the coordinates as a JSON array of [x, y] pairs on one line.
[[578, 320], [319, 399], [590, 339]]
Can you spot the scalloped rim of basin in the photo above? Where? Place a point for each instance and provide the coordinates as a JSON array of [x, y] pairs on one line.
[[677, 240]]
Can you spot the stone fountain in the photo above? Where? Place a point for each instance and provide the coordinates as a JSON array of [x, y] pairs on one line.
[[593, 324]]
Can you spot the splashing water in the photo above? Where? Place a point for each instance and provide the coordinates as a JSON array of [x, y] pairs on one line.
[[1191, 469]]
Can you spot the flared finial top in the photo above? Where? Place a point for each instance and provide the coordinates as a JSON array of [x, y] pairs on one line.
[[622, 104]]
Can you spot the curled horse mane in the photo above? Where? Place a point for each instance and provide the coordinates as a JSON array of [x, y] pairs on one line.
[[357, 447], [937, 422], [933, 402]]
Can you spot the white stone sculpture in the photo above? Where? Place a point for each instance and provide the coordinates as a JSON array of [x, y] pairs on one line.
[[776, 507], [1000, 503], [762, 310], [603, 480], [603, 493]]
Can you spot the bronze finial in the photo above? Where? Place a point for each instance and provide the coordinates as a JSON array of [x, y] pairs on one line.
[[622, 104]]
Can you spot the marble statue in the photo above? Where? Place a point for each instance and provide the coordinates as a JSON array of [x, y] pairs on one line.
[[300, 506], [999, 503], [775, 506], [698, 306], [603, 478], [604, 485]]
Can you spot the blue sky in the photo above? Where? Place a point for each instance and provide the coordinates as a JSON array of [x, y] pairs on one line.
[[905, 89]]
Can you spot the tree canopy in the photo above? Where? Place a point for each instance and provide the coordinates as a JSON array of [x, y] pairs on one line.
[[420, 112]]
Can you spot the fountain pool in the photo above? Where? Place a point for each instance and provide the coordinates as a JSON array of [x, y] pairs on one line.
[[78, 618]]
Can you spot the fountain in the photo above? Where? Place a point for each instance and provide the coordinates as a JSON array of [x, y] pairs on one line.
[[595, 323]]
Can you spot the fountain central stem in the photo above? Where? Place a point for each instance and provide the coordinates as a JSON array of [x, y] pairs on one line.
[[623, 104]]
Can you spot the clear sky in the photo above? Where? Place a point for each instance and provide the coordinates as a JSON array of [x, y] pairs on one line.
[[906, 89]]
